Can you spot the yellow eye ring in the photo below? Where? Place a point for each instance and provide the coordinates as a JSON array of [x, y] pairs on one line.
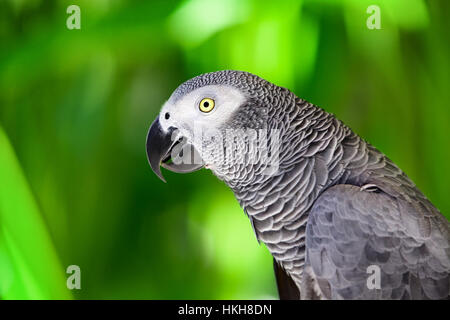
[[206, 105]]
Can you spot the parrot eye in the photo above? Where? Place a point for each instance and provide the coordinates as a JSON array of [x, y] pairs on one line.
[[206, 105]]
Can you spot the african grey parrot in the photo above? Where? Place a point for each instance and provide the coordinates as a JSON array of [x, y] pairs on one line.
[[330, 209]]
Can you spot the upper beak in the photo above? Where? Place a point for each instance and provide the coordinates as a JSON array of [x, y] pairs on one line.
[[160, 146]]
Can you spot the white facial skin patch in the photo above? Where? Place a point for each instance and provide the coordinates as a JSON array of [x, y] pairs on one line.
[[183, 113]]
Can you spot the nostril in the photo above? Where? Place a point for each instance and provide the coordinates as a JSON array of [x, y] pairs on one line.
[[167, 116]]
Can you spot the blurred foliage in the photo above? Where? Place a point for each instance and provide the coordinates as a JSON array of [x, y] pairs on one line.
[[75, 107]]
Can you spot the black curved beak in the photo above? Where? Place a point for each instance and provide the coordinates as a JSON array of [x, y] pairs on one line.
[[164, 146]]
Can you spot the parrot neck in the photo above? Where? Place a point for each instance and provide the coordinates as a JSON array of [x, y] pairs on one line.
[[311, 157]]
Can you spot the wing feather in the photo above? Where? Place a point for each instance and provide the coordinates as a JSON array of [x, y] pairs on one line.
[[350, 229]]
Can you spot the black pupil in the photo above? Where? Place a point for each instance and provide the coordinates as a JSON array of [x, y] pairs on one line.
[[206, 104], [167, 115]]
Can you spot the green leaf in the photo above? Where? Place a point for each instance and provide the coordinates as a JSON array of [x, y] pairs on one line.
[[29, 266]]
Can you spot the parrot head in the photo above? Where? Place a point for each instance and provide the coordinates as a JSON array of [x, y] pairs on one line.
[[193, 122]]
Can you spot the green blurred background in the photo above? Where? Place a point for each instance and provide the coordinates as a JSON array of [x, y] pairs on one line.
[[75, 107]]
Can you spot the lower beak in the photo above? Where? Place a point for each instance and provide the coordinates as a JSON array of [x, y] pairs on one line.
[[161, 147]]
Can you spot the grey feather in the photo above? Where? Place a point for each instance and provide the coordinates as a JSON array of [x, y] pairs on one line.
[[408, 266], [336, 204]]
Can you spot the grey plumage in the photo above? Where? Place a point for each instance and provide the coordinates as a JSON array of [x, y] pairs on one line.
[[335, 205]]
